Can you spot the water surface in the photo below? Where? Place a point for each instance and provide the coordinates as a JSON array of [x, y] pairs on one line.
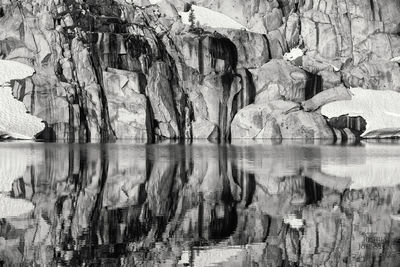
[[201, 204]]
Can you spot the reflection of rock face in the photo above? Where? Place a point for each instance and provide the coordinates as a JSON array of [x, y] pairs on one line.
[[146, 204], [108, 69]]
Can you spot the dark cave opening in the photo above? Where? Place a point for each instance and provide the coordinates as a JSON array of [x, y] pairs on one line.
[[223, 48], [47, 134]]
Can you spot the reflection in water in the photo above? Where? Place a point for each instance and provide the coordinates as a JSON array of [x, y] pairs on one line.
[[201, 205]]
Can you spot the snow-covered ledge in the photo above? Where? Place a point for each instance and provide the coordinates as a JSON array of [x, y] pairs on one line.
[[379, 108], [15, 122]]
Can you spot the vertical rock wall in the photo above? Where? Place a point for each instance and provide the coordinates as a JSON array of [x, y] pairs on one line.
[[108, 69]]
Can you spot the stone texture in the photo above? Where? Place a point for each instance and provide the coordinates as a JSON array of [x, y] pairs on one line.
[[279, 119], [193, 82], [127, 106], [281, 80], [325, 97]]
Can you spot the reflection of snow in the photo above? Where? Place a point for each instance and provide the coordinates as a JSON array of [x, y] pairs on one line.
[[372, 172], [211, 257], [380, 109], [293, 221], [13, 164], [11, 207], [14, 121], [209, 18]]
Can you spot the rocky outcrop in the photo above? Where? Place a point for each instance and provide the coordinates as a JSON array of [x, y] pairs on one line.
[[127, 104], [325, 97], [192, 80], [277, 120]]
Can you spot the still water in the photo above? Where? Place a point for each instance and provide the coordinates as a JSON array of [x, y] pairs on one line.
[[200, 204]]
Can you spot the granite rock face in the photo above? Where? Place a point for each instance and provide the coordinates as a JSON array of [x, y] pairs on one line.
[[112, 69]]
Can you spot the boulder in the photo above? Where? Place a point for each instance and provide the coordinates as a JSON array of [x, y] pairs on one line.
[[279, 119], [356, 124], [279, 73], [325, 97]]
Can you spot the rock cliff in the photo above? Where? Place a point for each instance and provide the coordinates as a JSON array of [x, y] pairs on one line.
[[112, 69]]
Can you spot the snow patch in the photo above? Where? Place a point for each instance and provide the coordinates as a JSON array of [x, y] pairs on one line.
[[380, 109], [14, 121], [396, 59], [12, 70], [13, 164], [294, 54], [209, 18]]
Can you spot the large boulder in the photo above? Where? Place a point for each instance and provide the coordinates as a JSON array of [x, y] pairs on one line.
[[325, 97], [279, 119], [278, 79]]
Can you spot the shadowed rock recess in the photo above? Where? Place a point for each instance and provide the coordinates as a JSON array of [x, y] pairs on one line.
[[110, 70]]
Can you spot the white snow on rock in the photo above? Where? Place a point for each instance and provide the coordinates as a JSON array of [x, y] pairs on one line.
[[14, 121], [396, 59], [12, 207], [294, 54], [209, 18], [380, 109]]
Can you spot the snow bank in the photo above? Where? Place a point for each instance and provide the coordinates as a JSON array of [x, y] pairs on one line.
[[209, 18], [211, 257], [380, 109], [12, 70], [14, 121]]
